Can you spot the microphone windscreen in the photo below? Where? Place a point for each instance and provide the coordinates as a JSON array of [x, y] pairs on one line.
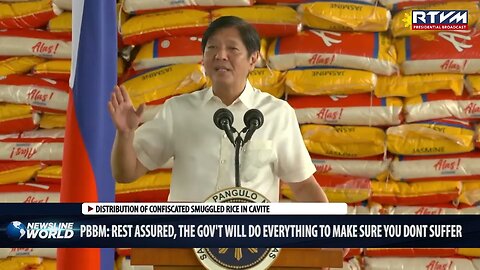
[[253, 114], [221, 114]]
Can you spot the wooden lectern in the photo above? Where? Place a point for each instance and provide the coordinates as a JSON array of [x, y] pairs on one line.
[[185, 258]]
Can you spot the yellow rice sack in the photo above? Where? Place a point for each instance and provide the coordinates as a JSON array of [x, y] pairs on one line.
[[431, 138], [344, 141], [472, 84], [18, 172], [148, 181], [338, 188], [164, 82], [469, 252], [20, 263], [31, 14], [15, 118], [412, 85], [53, 69], [401, 22], [53, 120], [152, 187], [401, 193], [269, 20], [329, 81], [18, 65], [61, 23], [344, 16], [60, 69], [48, 264], [470, 194], [267, 80], [184, 22], [49, 175]]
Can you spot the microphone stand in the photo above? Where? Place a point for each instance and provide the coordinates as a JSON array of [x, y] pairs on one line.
[[238, 145]]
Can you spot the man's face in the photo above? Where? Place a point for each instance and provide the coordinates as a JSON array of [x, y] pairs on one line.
[[226, 58]]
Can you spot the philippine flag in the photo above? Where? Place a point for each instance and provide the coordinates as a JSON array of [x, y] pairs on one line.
[[90, 132]]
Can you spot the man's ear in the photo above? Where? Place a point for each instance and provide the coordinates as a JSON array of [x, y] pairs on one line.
[[253, 60]]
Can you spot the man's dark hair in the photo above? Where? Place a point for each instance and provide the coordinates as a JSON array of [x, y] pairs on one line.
[[249, 35]]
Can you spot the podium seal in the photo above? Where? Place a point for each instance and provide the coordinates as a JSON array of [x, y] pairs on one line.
[[237, 258]]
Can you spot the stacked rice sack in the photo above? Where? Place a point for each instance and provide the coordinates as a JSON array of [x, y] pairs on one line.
[[32, 114], [435, 166], [331, 69]]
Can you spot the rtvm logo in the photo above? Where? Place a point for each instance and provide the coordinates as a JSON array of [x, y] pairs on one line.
[[439, 20]]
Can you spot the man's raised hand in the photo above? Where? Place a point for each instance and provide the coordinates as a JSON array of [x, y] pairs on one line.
[[124, 115]]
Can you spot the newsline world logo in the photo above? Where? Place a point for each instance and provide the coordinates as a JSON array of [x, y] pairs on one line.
[[17, 231], [436, 20]]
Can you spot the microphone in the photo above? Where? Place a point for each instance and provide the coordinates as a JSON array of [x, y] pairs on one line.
[[223, 119], [253, 119]]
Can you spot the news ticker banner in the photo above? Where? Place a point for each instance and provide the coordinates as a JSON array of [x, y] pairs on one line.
[[226, 225]]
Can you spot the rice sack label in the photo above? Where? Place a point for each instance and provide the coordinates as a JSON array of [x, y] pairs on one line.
[[357, 109]]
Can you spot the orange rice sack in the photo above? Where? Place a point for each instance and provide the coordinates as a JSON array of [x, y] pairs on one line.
[[442, 104], [148, 6], [344, 141], [418, 263], [329, 81], [18, 65], [31, 42], [455, 52], [401, 22], [400, 193], [431, 138], [356, 109], [436, 167], [412, 85], [29, 14], [183, 22], [41, 145], [42, 94], [409, 252], [49, 175], [366, 51], [29, 193], [345, 16], [372, 168], [167, 51], [18, 172], [16, 118], [152, 187], [269, 21]]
